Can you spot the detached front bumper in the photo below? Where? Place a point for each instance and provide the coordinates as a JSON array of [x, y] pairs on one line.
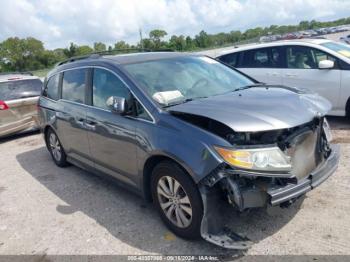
[[280, 195], [254, 194]]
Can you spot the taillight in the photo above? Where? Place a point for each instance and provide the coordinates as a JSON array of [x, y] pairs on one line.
[[3, 105]]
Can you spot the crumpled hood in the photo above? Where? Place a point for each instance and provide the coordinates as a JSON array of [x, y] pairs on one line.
[[259, 108]]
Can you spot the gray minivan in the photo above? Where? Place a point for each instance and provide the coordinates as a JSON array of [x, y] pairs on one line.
[[188, 133]]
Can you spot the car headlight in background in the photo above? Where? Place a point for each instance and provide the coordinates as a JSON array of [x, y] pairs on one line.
[[262, 159]]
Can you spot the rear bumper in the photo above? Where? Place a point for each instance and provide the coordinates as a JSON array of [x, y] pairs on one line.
[[317, 177]]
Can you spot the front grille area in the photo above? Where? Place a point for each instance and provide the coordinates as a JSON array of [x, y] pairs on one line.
[[304, 153]]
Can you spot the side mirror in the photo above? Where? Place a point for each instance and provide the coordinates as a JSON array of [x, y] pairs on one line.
[[117, 105], [325, 64]]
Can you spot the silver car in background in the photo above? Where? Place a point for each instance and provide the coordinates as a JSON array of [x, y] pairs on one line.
[[19, 94]]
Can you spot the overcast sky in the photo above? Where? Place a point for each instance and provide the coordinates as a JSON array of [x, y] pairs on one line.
[[59, 22]]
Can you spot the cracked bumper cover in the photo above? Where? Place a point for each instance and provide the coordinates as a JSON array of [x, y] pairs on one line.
[[318, 176], [211, 227]]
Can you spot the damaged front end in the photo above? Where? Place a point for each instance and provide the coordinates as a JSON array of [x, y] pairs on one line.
[[300, 158]]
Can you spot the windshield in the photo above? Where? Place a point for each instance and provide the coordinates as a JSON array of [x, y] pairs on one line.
[[340, 48], [20, 89], [175, 80]]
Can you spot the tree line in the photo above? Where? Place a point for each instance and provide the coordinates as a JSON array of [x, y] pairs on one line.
[[29, 54]]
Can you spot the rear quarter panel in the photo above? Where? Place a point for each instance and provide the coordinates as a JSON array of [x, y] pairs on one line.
[[21, 115]]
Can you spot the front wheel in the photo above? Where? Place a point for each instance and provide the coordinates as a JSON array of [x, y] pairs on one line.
[[177, 199]]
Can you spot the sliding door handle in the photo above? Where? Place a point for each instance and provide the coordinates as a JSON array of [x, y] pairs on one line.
[[90, 125], [80, 122]]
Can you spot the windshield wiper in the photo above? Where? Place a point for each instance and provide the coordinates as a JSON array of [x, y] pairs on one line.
[[184, 101], [249, 86]]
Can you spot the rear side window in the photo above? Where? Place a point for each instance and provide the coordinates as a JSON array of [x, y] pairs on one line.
[[73, 85], [262, 58], [230, 59], [20, 89], [51, 89]]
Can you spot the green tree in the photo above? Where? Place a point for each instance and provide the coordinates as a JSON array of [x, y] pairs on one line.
[[99, 47], [21, 54], [303, 25], [47, 59], [189, 43], [30, 54], [177, 43], [203, 40], [156, 36], [147, 44], [71, 50], [121, 45], [83, 50], [235, 36]]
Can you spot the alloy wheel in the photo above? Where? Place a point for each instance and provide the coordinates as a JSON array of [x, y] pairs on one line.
[[174, 201], [55, 147]]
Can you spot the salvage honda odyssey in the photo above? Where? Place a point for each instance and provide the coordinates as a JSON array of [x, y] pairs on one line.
[[188, 133]]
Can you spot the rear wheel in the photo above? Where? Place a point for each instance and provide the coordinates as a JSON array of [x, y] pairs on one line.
[[177, 200], [56, 149]]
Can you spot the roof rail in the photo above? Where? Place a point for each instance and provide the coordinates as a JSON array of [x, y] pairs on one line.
[[16, 73], [112, 52]]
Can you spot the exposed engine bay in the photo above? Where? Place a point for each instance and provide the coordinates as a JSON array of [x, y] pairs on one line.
[[247, 138], [306, 145]]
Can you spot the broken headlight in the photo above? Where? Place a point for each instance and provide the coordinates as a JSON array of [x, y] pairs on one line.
[[262, 159]]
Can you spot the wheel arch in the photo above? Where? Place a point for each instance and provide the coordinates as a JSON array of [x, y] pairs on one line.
[[45, 130], [151, 163]]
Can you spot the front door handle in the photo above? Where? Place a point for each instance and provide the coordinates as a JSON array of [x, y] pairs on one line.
[[291, 75]]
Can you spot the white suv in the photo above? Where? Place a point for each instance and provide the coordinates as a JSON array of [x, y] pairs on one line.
[[319, 65]]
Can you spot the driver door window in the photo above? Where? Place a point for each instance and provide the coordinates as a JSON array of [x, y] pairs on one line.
[[303, 72], [105, 84], [320, 56], [300, 57]]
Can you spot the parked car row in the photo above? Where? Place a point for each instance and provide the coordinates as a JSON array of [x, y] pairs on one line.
[[19, 94], [304, 34], [345, 39]]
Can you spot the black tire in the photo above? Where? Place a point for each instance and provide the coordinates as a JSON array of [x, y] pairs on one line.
[[187, 188], [347, 109], [59, 159]]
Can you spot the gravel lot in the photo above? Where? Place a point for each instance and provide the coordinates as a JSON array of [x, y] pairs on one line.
[[48, 210]]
